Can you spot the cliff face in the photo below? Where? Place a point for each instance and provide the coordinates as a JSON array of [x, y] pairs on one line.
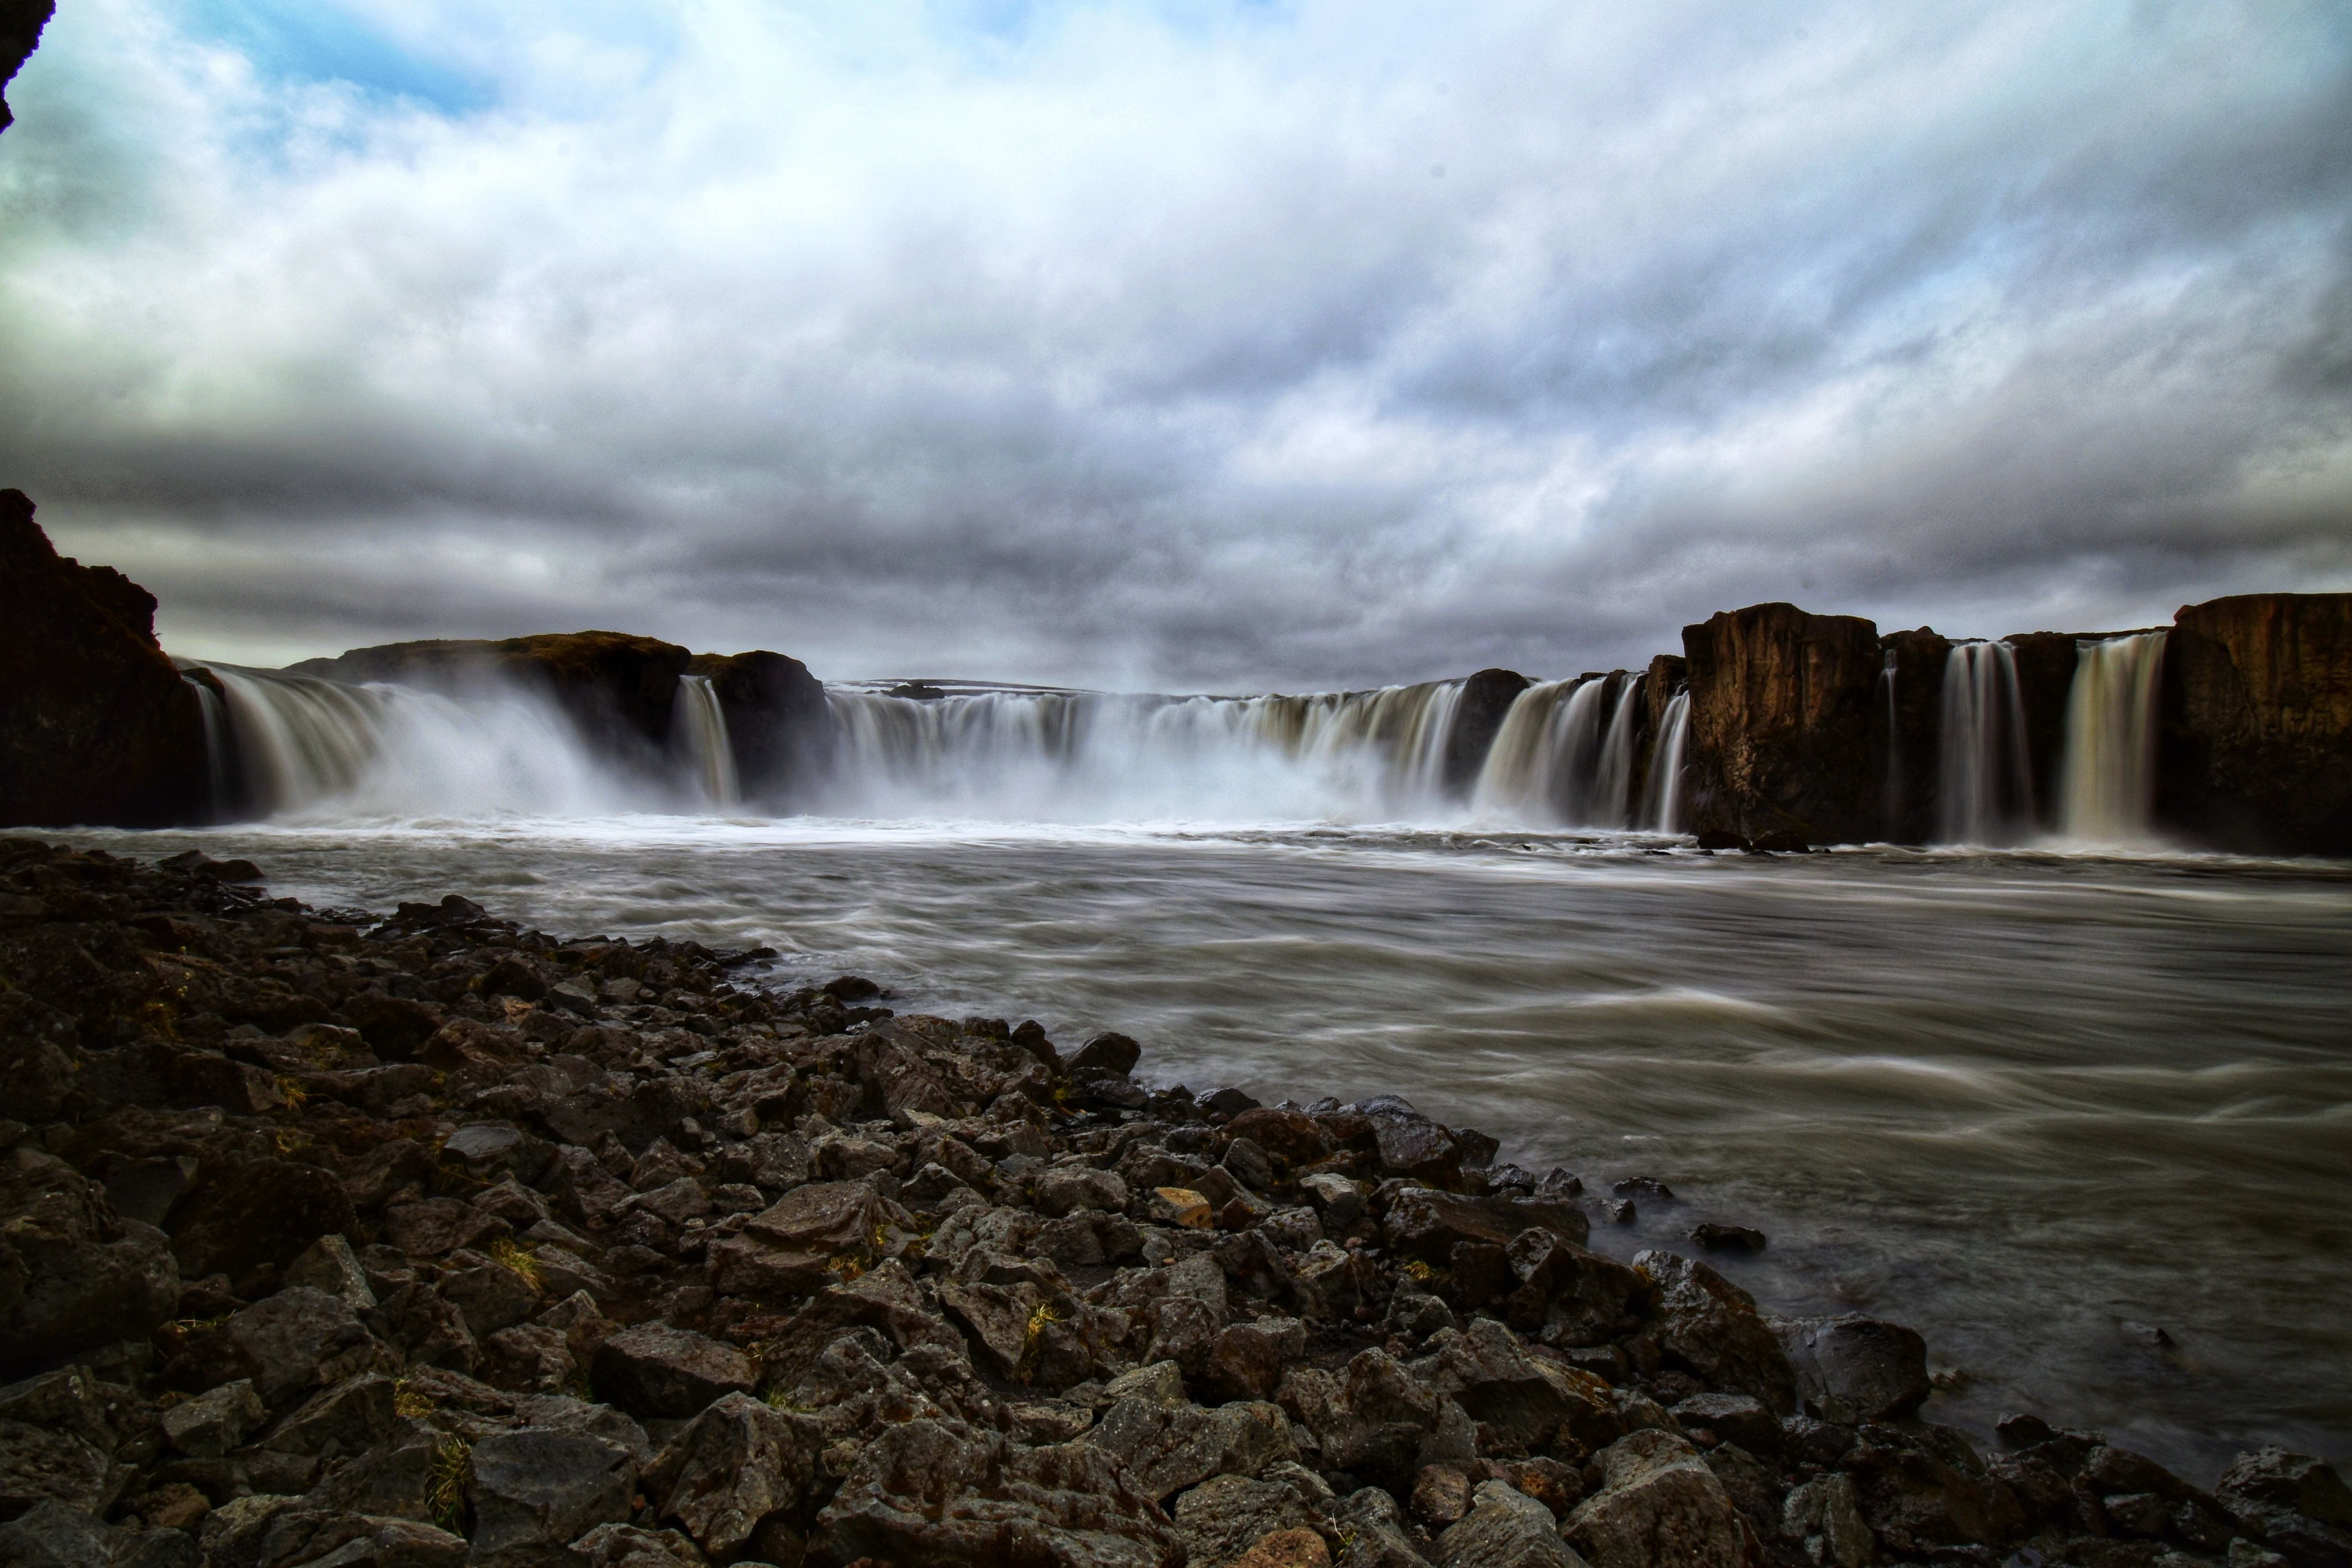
[[1912, 729], [1486, 698], [2256, 747], [619, 689], [778, 722], [1782, 728], [98, 727], [21, 21]]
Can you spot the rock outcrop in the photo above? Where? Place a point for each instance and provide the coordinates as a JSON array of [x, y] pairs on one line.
[[778, 721], [1478, 715], [2256, 749], [98, 727], [1911, 718], [21, 21], [1784, 741]]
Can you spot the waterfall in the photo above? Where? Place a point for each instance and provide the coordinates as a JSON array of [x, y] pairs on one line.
[[1664, 808], [216, 744], [1986, 784], [1552, 761], [1090, 756], [705, 723], [304, 745], [2108, 789], [1890, 805], [1612, 789]]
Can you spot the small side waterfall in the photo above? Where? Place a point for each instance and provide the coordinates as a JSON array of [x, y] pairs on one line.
[[704, 725], [1613, 784], [1664, 808], [1890, 804], [2107, 787], [1986, 783], [216, 744]]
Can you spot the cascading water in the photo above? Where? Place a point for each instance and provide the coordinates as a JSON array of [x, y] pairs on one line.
[[305, 745], [1084, 756], [1613, 791], [2107, 789], [1891, 801], [216, 744], [707, 746], [1986, 783], [1663, 811]]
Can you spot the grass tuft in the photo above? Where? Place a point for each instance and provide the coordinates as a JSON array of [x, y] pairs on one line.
[[444, 1483], [520, 1262]]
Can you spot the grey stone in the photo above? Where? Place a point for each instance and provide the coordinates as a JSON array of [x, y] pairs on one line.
[[1070, 1188], [328, 1264], [631, 1546], [336, 1423], [1712, 1326], [296, 1340], [655, 1369], [1220, 1519], [1825, 1517], [1854, 1369], [534, 1490], [38, 1462], [53, 1534], [738, 1464], [211, 1424], [1166, 1448], [1659, 1507], [1504, 1529]]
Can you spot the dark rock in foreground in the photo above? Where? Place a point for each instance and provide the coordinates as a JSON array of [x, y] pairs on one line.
[[431, 1240]]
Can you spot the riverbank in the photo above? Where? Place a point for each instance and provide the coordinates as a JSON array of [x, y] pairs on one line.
[[438, 1220]]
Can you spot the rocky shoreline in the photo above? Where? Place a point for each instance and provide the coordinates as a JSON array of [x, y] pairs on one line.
[[334, 1240]]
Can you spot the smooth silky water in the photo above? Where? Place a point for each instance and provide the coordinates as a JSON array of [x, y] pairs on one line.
[[2034, 1103]]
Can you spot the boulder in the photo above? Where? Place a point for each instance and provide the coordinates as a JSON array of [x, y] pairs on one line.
[[1293, 1135], [1823, 1517], [2296, 1505], [72, 1276], [655, 1369], [1070, 1188], [1712, 1326], [1411, 1145], [1478, 712], [1165, 1448], [99, 728], [1852, 1369], [288, 1344], [779, 724], [1521, 1400], [1659, 1507], [1922, 1488], [535, 1492], [257, 1212], [738, 1465], [1428, 1225], [1504, 1529], [1224, 1518], [211, 1424], [38, 1462], [1786, 734]]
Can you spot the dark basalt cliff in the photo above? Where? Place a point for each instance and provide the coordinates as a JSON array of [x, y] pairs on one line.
[[21, 21], [100, 728], [778, 721], [2256, 753], [620, 689], [1784, 739], [1910, 721]]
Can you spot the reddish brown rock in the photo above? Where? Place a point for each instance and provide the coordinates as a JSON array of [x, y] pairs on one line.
[[1784, 735], [99, 726], [2258, 724]]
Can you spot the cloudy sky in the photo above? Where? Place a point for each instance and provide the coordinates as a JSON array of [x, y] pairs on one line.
[[1188, 343]]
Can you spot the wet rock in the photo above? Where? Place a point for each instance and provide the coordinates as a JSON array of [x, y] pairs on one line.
[[1571, 1296], [1733, 1419], [1429, 1224], [1926, 1489], [1658, 1503], [1522, 1400], [655, 1369], [1411, 1145], [2296, 1505], [1166, 1448], [1106, 1054], [1823, 1516], [737, 1465], [1853, 1369], [534, 1492], [1712, 1326], [212, 1423], [1504, 1529], [1728, 1238]]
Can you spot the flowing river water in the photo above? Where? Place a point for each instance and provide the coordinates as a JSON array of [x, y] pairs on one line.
[[2036, 1105]]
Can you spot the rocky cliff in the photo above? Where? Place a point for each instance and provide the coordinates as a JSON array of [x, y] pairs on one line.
[[1784, 737], [1486, 698], [100, 727], [21, 21], [1910, 718], [778, 721], [2257, 748]]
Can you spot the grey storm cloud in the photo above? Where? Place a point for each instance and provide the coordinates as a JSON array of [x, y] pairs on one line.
[[1210, 347]]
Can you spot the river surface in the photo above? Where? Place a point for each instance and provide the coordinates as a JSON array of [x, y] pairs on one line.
[[2034, 1105]]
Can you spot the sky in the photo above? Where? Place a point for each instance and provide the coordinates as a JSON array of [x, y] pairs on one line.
[[1178, 345]]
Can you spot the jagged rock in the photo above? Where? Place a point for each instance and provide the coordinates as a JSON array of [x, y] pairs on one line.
[[54, 1534], [349, 1418], [1712, 1326], [1854, 1369], [1522, 1400], [1070, 1189], [1783, 724], [360, 1541], [1659, 1504], [212, 1423], [1572, 1296], [1734, 1418], [1380, 1421], [489, 1296], [738, 1464], [71, 1276], [328, 1264], [1411, 1145], [2297, 1505], [298, 1340], [38, 1462], [631, 1546], [1825, 1517], [1224, 1518], [1379, 1539], [933, 1494], [1421, 1223], [535, 1491], [100, 727], [1504, 1529], [1927, 1489], [657, 1370], [1166, 1448]]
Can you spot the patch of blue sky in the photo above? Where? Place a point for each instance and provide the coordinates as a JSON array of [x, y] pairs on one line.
[[316, 41]]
